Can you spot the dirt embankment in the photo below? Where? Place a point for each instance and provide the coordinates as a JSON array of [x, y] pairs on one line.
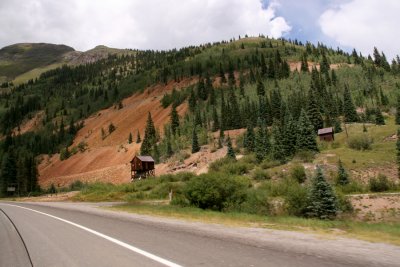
[[106, 159]]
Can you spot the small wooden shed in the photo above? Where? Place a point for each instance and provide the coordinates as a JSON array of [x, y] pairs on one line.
[[326, 134], [142, 167]]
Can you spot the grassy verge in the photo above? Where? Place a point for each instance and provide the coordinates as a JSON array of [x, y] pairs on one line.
[[374, 232]]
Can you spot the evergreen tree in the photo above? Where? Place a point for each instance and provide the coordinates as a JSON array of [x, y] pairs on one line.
[[130, 138], [260, 88], [230, 153], [192, 101], [337, 126], [305, 134], [290, 136], [138, 139], [313, 112], [304, 63], [379, 120], [149, 137], [8, 171], [277, 146], [262, 143], [342, 176], [322, 201], [398, 153], [350, 113], [195, 142], [174, 119], [398, 110], [249, 139], [169, 148], [215, 125]]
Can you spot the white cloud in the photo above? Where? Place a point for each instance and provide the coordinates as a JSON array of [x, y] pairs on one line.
[[363, 24], [153, 24]]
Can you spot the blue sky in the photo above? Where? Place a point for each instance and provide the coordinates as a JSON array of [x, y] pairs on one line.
[[160, 24], [345, 23]]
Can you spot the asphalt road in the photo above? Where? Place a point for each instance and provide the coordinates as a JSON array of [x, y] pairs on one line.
[[66, 234]]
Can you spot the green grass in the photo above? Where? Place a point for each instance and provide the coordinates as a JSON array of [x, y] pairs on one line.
[[34, 73], [375, 232], [382, 153]]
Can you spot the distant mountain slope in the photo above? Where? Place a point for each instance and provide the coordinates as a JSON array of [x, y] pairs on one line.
[[20, 58], [22, 62]]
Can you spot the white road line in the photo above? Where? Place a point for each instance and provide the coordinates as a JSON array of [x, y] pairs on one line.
[[115, 241]]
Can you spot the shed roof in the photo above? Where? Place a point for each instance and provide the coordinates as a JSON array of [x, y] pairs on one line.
[[325, 131], [145, 158]]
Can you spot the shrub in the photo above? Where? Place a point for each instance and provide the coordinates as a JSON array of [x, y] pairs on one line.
[[280, 187], [236, 168], [305, 155], [298, 173], [256, 202], [216, 191], [360, 142], [379, 184], [351, 188], [219, 163], [260, 174], [76, 185], [296, 200], [267, 164]]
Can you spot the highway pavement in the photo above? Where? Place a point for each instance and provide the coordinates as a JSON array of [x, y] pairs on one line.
[[78, 234]]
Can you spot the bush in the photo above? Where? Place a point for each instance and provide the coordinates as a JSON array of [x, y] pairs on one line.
[[76, 185], [256, 202], [260, 174], [217, 165], [216, 191], [351, 188], [305, 156], [298, 173], [360, 142], [379, 184], [267, 164], [296, 200], [279, 188]]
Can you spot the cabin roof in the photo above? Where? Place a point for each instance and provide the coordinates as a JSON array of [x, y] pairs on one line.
[[325, 131], [144, 158]]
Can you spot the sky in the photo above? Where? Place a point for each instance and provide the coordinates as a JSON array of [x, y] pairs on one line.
[[167, 24]]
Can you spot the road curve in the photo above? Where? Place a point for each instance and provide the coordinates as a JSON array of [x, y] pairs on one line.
[[69, 234]]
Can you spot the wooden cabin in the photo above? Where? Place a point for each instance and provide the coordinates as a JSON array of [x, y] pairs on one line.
[[326, 134], [142, 167]]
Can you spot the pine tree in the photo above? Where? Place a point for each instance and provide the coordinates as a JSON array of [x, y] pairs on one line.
[[379, 120], [195, 142], [262, 143], [215, 125], [230, 153], [398, 110], [322, 201], [398, 153], [249, 139], [313, 112], [260, 88], [337, 126], [138, 139], [149, 137], [350, 113], [304, 63], [8, 171], [290, 136], [305, 134], [174, 119], [130, 138], [192, 101], [277, 146], [169, 148], [342, 176]]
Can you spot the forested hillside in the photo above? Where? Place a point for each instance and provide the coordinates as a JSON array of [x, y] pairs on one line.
[[281, 91]]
